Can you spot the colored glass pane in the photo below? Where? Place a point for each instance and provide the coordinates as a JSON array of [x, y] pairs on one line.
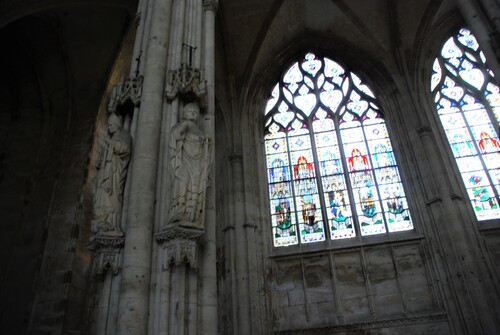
[[471, 121], [331, 168]]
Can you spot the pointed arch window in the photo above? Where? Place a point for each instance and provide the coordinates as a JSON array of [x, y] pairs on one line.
[[468, 105], [331, 169]]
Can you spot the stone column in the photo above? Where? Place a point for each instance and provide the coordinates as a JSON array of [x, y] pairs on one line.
[[105, 269], [480, 29], [492, 9], [471, 308], [134, 291], [179, 295], [242, 317], [208, 272]]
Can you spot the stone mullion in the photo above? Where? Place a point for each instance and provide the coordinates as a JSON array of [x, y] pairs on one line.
[[134, 292]]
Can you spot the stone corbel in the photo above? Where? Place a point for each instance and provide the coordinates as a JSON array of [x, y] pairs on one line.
[[424, 130], [186, 81], [129, 88], [106, 249], [212, 5], [180, 245]]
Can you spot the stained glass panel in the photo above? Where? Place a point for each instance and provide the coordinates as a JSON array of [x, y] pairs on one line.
[[283, 222], [323, 151], [310, 218], [339, 214], [278, 159], [471, 123]]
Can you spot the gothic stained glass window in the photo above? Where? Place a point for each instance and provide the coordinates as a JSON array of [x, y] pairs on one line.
[[331, 167], [468, 105]]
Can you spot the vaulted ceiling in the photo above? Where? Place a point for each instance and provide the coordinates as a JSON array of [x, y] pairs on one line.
[[256, 31]]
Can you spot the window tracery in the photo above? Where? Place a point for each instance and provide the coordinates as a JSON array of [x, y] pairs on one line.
[[468, 105], [331, 167]]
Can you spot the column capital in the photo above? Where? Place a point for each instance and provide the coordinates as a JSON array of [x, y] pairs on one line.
[[211, 5]]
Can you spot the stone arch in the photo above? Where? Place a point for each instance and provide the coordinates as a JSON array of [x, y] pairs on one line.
[[372, 71]]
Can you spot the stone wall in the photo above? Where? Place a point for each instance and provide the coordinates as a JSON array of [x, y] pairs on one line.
[[370, 287]]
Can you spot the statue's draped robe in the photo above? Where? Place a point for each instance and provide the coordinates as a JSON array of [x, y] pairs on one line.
[[111, 180], [189, 156]]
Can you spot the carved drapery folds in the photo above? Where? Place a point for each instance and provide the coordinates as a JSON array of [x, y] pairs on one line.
[[180, 245], [112, 171], [189, 162], [106, 248], [113, 162]]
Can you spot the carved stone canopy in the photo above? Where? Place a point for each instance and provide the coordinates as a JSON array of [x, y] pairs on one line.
[[106, 248], [180, 245], [129, 88], [188, 82]]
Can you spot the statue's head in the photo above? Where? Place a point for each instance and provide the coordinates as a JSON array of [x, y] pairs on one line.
[[191, 112], [115, 123]]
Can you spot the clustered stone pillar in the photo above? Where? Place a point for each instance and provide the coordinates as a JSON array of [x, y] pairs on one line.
[[239, 240], [134, 290], [107, 240], [166, 252], [464, 277], [105, 277]]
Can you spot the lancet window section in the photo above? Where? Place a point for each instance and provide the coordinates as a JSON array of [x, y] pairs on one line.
[[331, 169], [468, 104]]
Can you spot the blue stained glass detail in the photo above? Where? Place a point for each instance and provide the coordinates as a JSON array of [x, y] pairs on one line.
[[470, 121]]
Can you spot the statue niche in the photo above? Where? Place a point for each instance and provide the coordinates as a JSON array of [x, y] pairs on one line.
[[189, 157], [112, 170]]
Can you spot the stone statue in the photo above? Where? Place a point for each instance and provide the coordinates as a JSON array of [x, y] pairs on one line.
[[189, 157], [112, 170]]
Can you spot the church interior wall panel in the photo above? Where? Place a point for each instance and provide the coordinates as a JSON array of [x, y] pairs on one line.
[[492, 241], [359, 285]]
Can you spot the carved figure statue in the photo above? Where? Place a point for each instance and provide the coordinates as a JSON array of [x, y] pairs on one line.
[[111, 178], [189, 159]]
